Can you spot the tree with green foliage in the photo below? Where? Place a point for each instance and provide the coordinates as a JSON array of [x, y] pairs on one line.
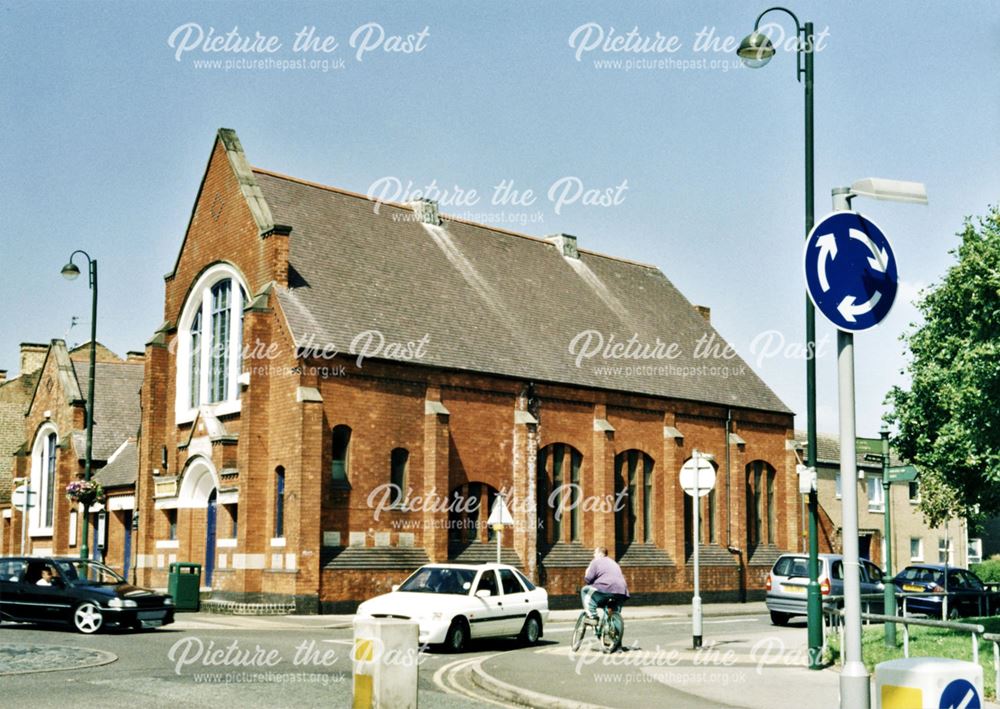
[[949, 420]]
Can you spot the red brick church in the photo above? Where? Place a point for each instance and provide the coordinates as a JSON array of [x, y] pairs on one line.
[[341, 389]]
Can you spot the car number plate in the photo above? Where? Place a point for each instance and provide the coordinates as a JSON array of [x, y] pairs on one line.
[[791, 588], [911, 587], [151, 623]]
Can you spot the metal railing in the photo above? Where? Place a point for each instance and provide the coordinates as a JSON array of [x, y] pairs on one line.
[[975, 629]]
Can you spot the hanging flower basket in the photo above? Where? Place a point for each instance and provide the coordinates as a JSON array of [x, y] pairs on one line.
[[85, 492]]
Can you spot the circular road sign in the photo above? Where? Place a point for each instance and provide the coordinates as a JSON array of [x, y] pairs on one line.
[[704, 475], [850, 271]]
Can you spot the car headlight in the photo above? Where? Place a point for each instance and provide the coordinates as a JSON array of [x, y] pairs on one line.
[[121, 603], [168, 601]]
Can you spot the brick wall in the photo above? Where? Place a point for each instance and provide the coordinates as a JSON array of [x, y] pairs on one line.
[[391, 405]]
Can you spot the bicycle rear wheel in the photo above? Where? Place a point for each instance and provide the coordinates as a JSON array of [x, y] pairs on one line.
[[578, 632], [614, 631]]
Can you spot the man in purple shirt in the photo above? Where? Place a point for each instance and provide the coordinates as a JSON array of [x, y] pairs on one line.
[[604, 583]]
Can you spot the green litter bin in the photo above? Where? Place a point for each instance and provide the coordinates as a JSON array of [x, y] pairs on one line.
[[184, 585]]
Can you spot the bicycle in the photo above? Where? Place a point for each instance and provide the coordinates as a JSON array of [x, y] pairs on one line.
[[609, 627]]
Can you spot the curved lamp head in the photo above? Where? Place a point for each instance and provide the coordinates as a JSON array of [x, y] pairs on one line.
[[755, 50], [70, 271]]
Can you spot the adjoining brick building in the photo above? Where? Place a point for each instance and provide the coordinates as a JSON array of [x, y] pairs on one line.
[[53, 453], [15, 393], [337, 379]]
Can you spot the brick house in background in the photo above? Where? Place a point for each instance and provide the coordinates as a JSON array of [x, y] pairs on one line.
[[54, 451], [914, 541], [298, 472], [15, 393]]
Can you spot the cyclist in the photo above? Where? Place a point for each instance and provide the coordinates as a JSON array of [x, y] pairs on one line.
[[604, 582]]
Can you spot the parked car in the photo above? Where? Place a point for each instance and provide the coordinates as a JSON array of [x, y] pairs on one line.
[[788, 581], [78, 592], [967, 594], [456, 602]]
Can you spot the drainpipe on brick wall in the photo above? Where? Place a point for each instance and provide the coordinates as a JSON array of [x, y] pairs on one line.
[[729, 509]]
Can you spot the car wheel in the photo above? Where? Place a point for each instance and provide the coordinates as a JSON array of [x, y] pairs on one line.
[[532, 630], [87, 618], [953, 613], [457, 636], [778, 618]]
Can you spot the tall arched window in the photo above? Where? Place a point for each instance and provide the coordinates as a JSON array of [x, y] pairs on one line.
[[279, 501], [50, 478], [634, 497], [44, 457], [560, 493], [707, 514], [398, 460], [210, 341], [469, 506], [760, 503], [341, 454]]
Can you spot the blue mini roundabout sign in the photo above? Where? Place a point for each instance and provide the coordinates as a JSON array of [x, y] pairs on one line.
[[850, 271]]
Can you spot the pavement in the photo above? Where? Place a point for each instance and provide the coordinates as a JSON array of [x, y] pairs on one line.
[[745, 662], [202, 620]]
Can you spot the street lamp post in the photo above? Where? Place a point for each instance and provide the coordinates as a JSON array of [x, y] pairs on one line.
[[755, 51], [70, 272]]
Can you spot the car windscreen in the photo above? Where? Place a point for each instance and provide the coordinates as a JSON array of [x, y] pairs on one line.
[[88, 573], [920, 575], [433, 579]]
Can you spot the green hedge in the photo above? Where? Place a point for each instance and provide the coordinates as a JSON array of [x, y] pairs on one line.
[[988, 571]]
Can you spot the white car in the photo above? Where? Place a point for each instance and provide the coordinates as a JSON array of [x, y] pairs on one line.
[[456, 602]]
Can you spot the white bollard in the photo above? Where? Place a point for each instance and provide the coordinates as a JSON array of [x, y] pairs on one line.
[[386, 663], [928, 683]]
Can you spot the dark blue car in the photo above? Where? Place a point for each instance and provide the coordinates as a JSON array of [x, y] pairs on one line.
[[77, 592], [967, 595]]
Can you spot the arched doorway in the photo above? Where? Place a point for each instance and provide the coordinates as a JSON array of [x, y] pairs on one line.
[[200, 490]]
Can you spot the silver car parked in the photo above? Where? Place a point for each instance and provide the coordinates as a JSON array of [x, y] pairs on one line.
[[788, 581]]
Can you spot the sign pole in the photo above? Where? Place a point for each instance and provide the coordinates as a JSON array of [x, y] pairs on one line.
[[855, 690], [24, 515], [889, 589], [695, 509]]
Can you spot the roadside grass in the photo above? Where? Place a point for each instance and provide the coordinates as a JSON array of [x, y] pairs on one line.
[[924, 642]]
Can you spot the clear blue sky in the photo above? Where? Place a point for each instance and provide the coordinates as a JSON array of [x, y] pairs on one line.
[[106, 135]]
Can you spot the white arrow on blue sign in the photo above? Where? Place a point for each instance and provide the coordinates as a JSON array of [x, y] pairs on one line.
[[850, 271]]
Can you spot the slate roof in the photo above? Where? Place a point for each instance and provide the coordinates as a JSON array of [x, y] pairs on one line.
[[116, 413], [122, 469], [490, 301]]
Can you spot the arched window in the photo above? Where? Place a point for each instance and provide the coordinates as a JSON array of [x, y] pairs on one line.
[[707, 514], [760, 503], [469, 506], [634, 497], [44, 457], [279, 502], [50, 478], [398, 461], [341, 454], [560, 493], [210, 341]]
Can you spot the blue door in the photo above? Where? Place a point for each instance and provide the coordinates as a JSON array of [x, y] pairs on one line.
[[127, 556], [210, 538]]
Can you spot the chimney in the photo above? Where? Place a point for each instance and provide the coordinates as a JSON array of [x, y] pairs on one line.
[[277, 241], [565, 244], [32, 356], [134, 357], [705, 312], [3, 375], [426, 211]]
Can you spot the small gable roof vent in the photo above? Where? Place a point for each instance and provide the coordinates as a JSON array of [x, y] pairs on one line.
[[565, 244], [426, 211]]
